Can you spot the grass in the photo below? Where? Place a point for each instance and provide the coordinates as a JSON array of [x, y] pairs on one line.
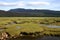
[[29, 24]]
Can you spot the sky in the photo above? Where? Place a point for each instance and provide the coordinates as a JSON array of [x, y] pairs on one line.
[[30, 4]]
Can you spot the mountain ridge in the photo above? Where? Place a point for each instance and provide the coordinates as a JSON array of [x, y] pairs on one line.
[[21, 12]]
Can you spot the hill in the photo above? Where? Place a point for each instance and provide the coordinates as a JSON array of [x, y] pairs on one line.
[[20, 12]]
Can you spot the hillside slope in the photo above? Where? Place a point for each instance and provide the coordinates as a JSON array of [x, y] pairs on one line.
[[19, 12]]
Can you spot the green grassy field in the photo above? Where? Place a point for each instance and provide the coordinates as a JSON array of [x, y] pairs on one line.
[[15, 25]]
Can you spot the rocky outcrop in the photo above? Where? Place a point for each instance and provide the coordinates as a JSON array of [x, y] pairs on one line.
[[4, 36]]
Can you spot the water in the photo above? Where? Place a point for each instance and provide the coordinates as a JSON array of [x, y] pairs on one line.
[[39, 38], [50, 26], [53, 26], [1, 30], [18, 27], [49, 38]]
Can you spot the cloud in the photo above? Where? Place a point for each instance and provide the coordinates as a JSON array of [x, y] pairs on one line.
[[33, 4], [22, 3], [6, 4], [39, 3], [12, 4]]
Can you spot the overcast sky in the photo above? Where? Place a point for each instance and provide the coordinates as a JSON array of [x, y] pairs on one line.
[[30, 4]]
